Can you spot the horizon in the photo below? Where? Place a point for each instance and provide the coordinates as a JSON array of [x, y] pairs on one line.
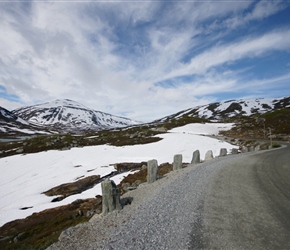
[[224, 101], [143, 60]]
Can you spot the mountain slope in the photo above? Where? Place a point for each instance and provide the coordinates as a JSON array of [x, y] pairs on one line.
[[11, 124], [232, 108], [68, 115]]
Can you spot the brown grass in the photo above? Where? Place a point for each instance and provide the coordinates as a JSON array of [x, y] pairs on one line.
[[40, 230]]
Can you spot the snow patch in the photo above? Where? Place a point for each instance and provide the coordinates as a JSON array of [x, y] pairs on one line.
[[24, 178]]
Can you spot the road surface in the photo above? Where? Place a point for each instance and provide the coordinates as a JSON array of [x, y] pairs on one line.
[[235, 202]]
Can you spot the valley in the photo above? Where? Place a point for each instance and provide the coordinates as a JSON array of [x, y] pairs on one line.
[[49, 158]]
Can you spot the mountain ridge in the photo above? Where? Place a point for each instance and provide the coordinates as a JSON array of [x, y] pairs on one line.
[[69, 116], [11, 124], [231, 108]]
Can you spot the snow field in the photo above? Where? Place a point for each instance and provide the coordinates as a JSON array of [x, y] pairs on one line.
[[24, 178]]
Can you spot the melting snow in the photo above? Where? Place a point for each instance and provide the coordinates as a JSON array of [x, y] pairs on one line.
[[24, 177]]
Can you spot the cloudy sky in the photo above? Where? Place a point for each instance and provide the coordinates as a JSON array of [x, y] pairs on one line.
[[143, 59]]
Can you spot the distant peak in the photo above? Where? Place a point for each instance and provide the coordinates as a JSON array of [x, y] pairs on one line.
[[61, 103]]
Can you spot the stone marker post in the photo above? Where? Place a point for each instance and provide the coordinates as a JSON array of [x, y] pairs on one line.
[[235, 151], [110, 196], [152, 170], [244, 149], [208, 155], [195, 157], [223, 152], [177, 162]]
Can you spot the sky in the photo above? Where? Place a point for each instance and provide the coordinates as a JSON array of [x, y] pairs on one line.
[[143, 59]]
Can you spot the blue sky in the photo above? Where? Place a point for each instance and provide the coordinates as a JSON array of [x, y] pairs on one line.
[[143, 59]]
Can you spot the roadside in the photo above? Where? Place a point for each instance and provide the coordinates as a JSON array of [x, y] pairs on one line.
[[227, 203]]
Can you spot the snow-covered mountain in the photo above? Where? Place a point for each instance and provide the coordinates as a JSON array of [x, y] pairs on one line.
[[11, 124], [68, 115], [232, 108]]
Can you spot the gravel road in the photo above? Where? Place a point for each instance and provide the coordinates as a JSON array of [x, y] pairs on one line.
[[235, 202]]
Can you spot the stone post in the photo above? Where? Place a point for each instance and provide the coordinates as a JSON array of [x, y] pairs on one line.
[[195, 157], [208, 155], [110, 196], [152, 170], [235, 151], [177, 162], [223, 152], [244, 149]]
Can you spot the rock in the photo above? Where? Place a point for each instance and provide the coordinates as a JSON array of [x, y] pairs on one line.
[[90, 213], [136, 183], [177, 162], [144, 167], [66, 233], [6, 238], [126, 201], [58, 198], [78, 201], [125, 186], [208, 155], [258, 148], [223, 152], [152, 170], [20, 237], [195, 157], [244, 149], [161, 129], [19, 151], [98, 211]]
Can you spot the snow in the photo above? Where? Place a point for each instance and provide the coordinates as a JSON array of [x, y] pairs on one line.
[[91, 137], [203, 129], [71, 113], [60, 103], [24, 178]]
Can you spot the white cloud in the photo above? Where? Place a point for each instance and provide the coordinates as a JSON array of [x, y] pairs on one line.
[[229, 53], [9, 105], [109, 56]]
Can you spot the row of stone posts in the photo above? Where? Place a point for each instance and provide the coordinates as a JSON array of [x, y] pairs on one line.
[[111, 194]]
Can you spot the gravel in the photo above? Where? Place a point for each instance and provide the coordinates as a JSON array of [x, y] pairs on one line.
[[167, 214], [227, 203]]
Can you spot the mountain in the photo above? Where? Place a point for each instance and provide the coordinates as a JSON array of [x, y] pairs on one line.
[[11, 124], [67, 115], [232, 108]]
